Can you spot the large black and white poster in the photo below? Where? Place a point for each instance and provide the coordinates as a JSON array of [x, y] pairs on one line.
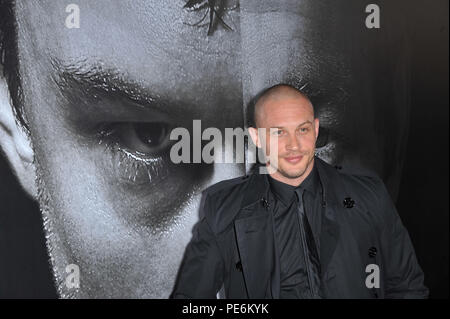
[[92, 204]]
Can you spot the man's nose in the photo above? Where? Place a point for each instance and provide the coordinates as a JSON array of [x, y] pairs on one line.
[[293, 144]]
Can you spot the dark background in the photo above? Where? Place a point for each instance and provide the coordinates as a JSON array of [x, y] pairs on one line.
[[422, 202], [423, 196]]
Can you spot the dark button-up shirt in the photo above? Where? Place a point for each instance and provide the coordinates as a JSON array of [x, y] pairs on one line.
[[294, 283]]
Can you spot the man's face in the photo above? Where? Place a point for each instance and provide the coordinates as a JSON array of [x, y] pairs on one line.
[[290, 121], [101, 101]]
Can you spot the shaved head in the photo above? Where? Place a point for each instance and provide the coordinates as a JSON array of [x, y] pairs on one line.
[[276, 93]]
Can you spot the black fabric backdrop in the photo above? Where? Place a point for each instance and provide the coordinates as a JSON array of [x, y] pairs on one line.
[[422, 200]]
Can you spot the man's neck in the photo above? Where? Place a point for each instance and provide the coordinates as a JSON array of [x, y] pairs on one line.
[[293, 181]]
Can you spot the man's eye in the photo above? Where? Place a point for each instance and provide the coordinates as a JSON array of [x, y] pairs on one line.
[[304, 130], [139, 150], [146, 138], [278, 132]]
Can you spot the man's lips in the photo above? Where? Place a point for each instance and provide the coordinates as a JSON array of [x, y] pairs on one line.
[[294, 159]]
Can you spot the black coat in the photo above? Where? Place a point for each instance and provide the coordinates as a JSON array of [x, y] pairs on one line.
[[233, 244]]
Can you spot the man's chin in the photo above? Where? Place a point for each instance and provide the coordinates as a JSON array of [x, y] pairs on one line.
[[297, 170], [292, 173]]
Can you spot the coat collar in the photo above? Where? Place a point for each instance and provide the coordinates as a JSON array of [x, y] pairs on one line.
[[286, 193], [255, 231], [258, 185]]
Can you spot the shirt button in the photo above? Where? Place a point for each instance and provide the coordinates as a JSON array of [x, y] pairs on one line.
[[265, 203], [349, 202]]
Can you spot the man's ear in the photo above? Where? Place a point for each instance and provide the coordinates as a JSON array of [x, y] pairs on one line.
[[15, 143], [254, 135]]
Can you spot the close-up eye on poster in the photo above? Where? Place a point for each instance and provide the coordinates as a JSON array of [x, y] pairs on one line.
[[223, 149]]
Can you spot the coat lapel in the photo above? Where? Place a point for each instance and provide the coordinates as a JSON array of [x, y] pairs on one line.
[[255, 248], [329, 235], [328, 238], [255, 239]]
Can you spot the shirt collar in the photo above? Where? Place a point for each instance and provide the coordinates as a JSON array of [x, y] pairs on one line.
[[285, 192]]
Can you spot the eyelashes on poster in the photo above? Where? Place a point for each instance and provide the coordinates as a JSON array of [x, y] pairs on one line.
[[123, 112]]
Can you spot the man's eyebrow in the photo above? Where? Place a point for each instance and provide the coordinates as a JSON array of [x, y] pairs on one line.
[[92, 81], [303, 123]]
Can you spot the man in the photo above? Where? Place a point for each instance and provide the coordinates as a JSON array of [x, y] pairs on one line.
[[96, 104], [304, 231]]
